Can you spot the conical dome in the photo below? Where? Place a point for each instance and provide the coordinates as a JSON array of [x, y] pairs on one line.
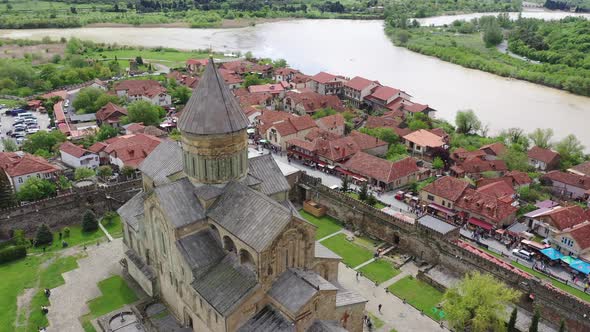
[[212, 108]]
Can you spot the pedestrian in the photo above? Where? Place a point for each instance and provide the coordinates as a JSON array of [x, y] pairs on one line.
[[365, 319], [97, 243], [586, 288], [357, 275], [60, 235], [84, 247], [380, 307]]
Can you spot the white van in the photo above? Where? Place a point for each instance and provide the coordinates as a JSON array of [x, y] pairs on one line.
[[25, 115]]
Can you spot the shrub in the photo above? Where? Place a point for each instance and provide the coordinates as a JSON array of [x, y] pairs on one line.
[[12, 253], [371, 200], [19, 237], [89, 223], [66, 232], [109, 217], [43, 235]]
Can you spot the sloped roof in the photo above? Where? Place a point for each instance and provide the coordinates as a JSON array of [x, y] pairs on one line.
[[358, 83], [225, 285], [200, 250], [384, 93], [581, 233], [165, 160], [73, 150], [17, 164], [323, 77], [447, 187], [312, 101], [498, 189], [323, 252], [425, 138], [266, 169], [131, 149], [132, 211], [326, 326], [566, 217], [545, 155], [578, 181], [581, 169], [331, 121], [109, 111], [294, 288], [381, 169], [495, 149], [485, 205], [250, 215], [212, 108], [179, 203], [268, 320]]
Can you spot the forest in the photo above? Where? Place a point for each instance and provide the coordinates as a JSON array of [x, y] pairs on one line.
[[555, 53]]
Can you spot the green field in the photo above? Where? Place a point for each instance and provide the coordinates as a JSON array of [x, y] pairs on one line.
[[167, 58], [379, 271], [417, 293], [326, 224], [34, 5], [352, 254], [11, 103], [77, 237], [115, 228]]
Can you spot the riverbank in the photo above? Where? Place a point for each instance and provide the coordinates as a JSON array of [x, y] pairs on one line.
[[469, 51], [224, 24]]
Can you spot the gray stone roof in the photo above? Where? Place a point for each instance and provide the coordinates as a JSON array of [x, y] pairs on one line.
[[132, 211], [145, 269], [268, 320], [179, 203], [322, 252], [207, 192], [266, 169], [326, 326], [200, 250], [225, 285], [212, 108], [346, 297], [165, 160], [250, 215], [436, 224], [291, 291]]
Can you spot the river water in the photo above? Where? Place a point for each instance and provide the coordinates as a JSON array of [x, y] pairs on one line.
[[361, 48]]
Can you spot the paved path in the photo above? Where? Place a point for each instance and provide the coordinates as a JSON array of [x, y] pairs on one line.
[[68, 301], [365, 263], [329, 236], [394, 313]]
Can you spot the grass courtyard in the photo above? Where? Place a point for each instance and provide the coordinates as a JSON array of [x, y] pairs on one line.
[[417, 293], [77, 237], [379, 271], [115, 227], [352, 254], [326, 224]]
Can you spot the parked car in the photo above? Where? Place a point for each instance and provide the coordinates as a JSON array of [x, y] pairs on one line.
[[399, 195], [19, 127], [32, 130], [18, 121], [32, 125], [522, 254], [19, 135], [20, 140], [29, 121]]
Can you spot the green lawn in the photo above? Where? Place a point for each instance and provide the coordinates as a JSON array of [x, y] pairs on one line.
[[50, 277], [115, 228], [567, 288], [16, 276], [115, 294], [378, 206], [77, 237], [11, 103], [352, 254], [167, 58], [417, 293], [326, 224], [379, 271]]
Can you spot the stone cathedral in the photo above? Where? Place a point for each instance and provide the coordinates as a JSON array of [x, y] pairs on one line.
[[214, 237]]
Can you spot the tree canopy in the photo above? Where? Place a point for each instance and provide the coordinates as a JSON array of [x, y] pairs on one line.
[[35, 188], [144, 112], [90, 100], [43, 140], [467, 122], [478, 303], [542, 137], [82, 173]]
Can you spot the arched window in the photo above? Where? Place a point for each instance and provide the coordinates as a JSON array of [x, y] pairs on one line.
[[246, 258], [228, 244]]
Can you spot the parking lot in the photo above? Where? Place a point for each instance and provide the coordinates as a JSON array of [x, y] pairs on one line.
[[7, 121]]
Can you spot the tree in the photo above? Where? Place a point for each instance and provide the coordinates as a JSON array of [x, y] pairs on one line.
[[403, 36], [43, 140], [280, 63], [467, 122], [181, 94], [252, 79], [82, 173], [384, 134], [89, 222], [35, 189], [6, 193], [43, 235], [364, 191], [371, 200], [144, 112], [9, 145], [542, 137], [105, 132], [104, 171], [492, 34], [417, 124], [139, 60], [516, 160], [438, 163], [562, 326], [477, 303], [512, 321], [248, 55], [345, 186], [571, 151], [128, 171], [63, 183], [535, 321], [90, 100]]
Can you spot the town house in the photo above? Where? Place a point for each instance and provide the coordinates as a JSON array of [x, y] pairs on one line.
[[332, 123], [424, 142], [380, 172], [554, 220], [485, 211], [441, 195], [308, 102], [280, 127], [326, 84], [148, 90], [568, 185], [76, 156], [110, 114], [20, 166], [357, 89], [383, 96], [126, 150], [543, 159]]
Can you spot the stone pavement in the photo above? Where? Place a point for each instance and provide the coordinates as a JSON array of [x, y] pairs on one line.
[[68, 301], [394, 313]]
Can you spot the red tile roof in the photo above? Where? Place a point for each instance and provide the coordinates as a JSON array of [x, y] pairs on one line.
[[97, 147], [200, 62], [131, 149], [574, 180], [566, 216], [581, 233], [447, 187], [242, 67], [366, 142], [359, 83], [341, 148], [300, 78], [384, 93], [485, 205], [380, 121], [545, 155], [476, 165], [285, 71], [17, 164], [494, 149], [381, 169], [316, 133], [331, 121], [323, 77], [230, 77], [519, 178], [63, 94], [425, 138], [58, 111], [312, 101], [251, 99], [269, 88], [73, 150], [140, 87], [499, 189], [285, 123], [581, 169], [111, 113]]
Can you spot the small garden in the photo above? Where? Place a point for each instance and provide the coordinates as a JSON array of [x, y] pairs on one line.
[[352, 254], [419, 294], [379, 271], [326, 225]]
